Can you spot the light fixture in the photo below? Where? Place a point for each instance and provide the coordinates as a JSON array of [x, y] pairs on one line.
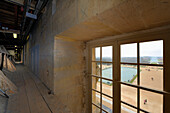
[[16, 49], [14, 35], [15, 46]]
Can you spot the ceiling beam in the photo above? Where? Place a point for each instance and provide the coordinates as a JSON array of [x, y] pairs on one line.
[[7, 12], [17, 2], [21, 3], [10, 31], [13, 48], [11, 42], [9, 25]]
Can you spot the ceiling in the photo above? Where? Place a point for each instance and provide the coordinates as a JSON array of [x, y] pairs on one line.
[[125, 17], [13, 20]]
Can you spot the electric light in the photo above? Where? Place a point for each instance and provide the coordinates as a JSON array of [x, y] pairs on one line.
[[14, 35]]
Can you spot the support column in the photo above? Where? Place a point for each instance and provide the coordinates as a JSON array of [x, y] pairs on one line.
[[2, 61]]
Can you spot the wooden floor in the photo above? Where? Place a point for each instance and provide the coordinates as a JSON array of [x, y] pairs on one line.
[[32, 96]]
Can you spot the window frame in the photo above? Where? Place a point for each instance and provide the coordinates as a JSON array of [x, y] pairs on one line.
[[138, 64], [103, 78], [116, 42]]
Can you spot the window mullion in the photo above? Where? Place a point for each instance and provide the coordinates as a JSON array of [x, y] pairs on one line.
[[138, 73], [101, 79]]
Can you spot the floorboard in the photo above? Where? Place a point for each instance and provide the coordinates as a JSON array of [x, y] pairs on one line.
[[32, 95]]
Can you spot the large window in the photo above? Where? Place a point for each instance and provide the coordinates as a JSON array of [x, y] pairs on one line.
[[102, 79], [142, 77]]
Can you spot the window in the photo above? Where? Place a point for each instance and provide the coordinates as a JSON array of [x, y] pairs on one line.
[[142, 77], [102, 79]]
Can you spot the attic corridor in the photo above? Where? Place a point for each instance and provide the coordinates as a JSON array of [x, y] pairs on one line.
[[32, 95], [84, 56]]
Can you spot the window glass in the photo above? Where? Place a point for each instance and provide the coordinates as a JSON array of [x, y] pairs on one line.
[[129, 53], [96, 83], [151, 52], [151, 102], [129, 73], [107, 87], [107, 70], [96, 68], [127, 109], [107, 104], [129, 95], [96, 54], [107, 53], [95, 109], [96, 98], [151, 77]]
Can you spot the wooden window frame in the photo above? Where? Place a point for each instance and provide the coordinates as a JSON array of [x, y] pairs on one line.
[[116, 65], [138, 64], [103, 78]]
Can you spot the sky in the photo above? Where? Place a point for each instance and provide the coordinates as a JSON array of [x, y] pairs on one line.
[[152, 48], [106, 51]]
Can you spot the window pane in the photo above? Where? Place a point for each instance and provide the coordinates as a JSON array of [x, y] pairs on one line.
[[107, 53], [107, 70], [129, 95], [107, 87], [151, 77], [95, 109], [96, 54], [151, 102], [151, 52], [96, 83], [107, 103], [129, 73], [96, 98], [127, 109], [96, 68], [129, 53]]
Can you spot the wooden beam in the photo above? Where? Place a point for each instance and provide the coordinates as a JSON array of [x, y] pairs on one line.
[[11, 42], [10, 31], [9, 25], [6, 12], [9, 12]]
